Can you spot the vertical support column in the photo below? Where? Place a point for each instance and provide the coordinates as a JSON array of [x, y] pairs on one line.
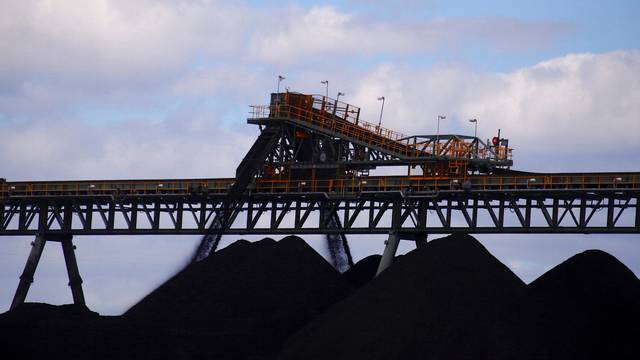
[[29, 270], [421, 240], [203, 215], [391, 246], [583, 212], [111, 215], [179, 214], [555, 212], [156, 215], [501, 214], [610, 211], [75, 281], [2, 215], [474, 213], [88, 222], [638, 211], [133, 222]]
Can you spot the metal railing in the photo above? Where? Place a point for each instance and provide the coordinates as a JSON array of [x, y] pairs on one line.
[[339, 185]]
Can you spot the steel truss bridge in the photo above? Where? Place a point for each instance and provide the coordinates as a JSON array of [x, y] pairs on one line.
[[307, 173]]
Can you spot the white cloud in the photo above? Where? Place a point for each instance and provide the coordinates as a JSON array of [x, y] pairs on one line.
[[113, 38], [108, 45], [184, 145], [305, 33]]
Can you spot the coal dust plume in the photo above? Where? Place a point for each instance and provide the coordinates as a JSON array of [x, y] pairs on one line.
[[450, 299]]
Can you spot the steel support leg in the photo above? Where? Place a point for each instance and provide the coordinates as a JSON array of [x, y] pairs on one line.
[[389, 252], [29, 270], [75, 281]]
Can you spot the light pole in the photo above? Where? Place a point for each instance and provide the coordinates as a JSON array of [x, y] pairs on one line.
[[326, 85], [381, 98], [280, 78], [475, 131], [338, 96], [440, 117]]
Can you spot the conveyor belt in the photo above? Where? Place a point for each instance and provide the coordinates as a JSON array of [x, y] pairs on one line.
[[557, 181], [341, 120]]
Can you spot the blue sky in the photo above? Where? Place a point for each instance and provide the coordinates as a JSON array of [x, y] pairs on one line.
[[116, 89]]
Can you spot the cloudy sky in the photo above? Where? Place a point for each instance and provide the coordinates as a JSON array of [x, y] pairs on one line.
[[110, 89]]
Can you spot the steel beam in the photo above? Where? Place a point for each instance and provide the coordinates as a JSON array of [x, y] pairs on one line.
[[508, 211], [37, 246], [75, 281]]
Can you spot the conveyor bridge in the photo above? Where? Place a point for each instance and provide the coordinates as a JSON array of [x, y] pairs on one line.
[[308, 173]]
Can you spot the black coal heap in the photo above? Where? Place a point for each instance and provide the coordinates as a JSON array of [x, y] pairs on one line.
[[588, 307], [254, 293], [363, 271], [241, 302], [448, 300]]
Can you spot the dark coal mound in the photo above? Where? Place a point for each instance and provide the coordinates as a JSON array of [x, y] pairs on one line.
[[246, 299], [363, 271], [588, 308], [448, 300], [35, 330]]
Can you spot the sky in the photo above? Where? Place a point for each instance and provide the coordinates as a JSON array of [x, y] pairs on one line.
[[109, 89]]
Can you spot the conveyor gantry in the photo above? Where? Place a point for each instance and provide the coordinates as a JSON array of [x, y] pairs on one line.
[[365, 145], [308, 174]]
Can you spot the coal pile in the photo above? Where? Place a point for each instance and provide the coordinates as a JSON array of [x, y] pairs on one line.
[[363, 271], [36, 330], [588, 307], [448, 300], [247, 298], [240, 303]]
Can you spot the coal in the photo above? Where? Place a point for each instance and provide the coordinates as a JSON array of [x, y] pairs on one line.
[[36, 330], [588, 307], [363, 271], [240, 303], [248, 297], [448, 300]]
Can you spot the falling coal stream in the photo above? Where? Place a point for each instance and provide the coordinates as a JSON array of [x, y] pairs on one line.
[[338, 247], [211, 240]]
